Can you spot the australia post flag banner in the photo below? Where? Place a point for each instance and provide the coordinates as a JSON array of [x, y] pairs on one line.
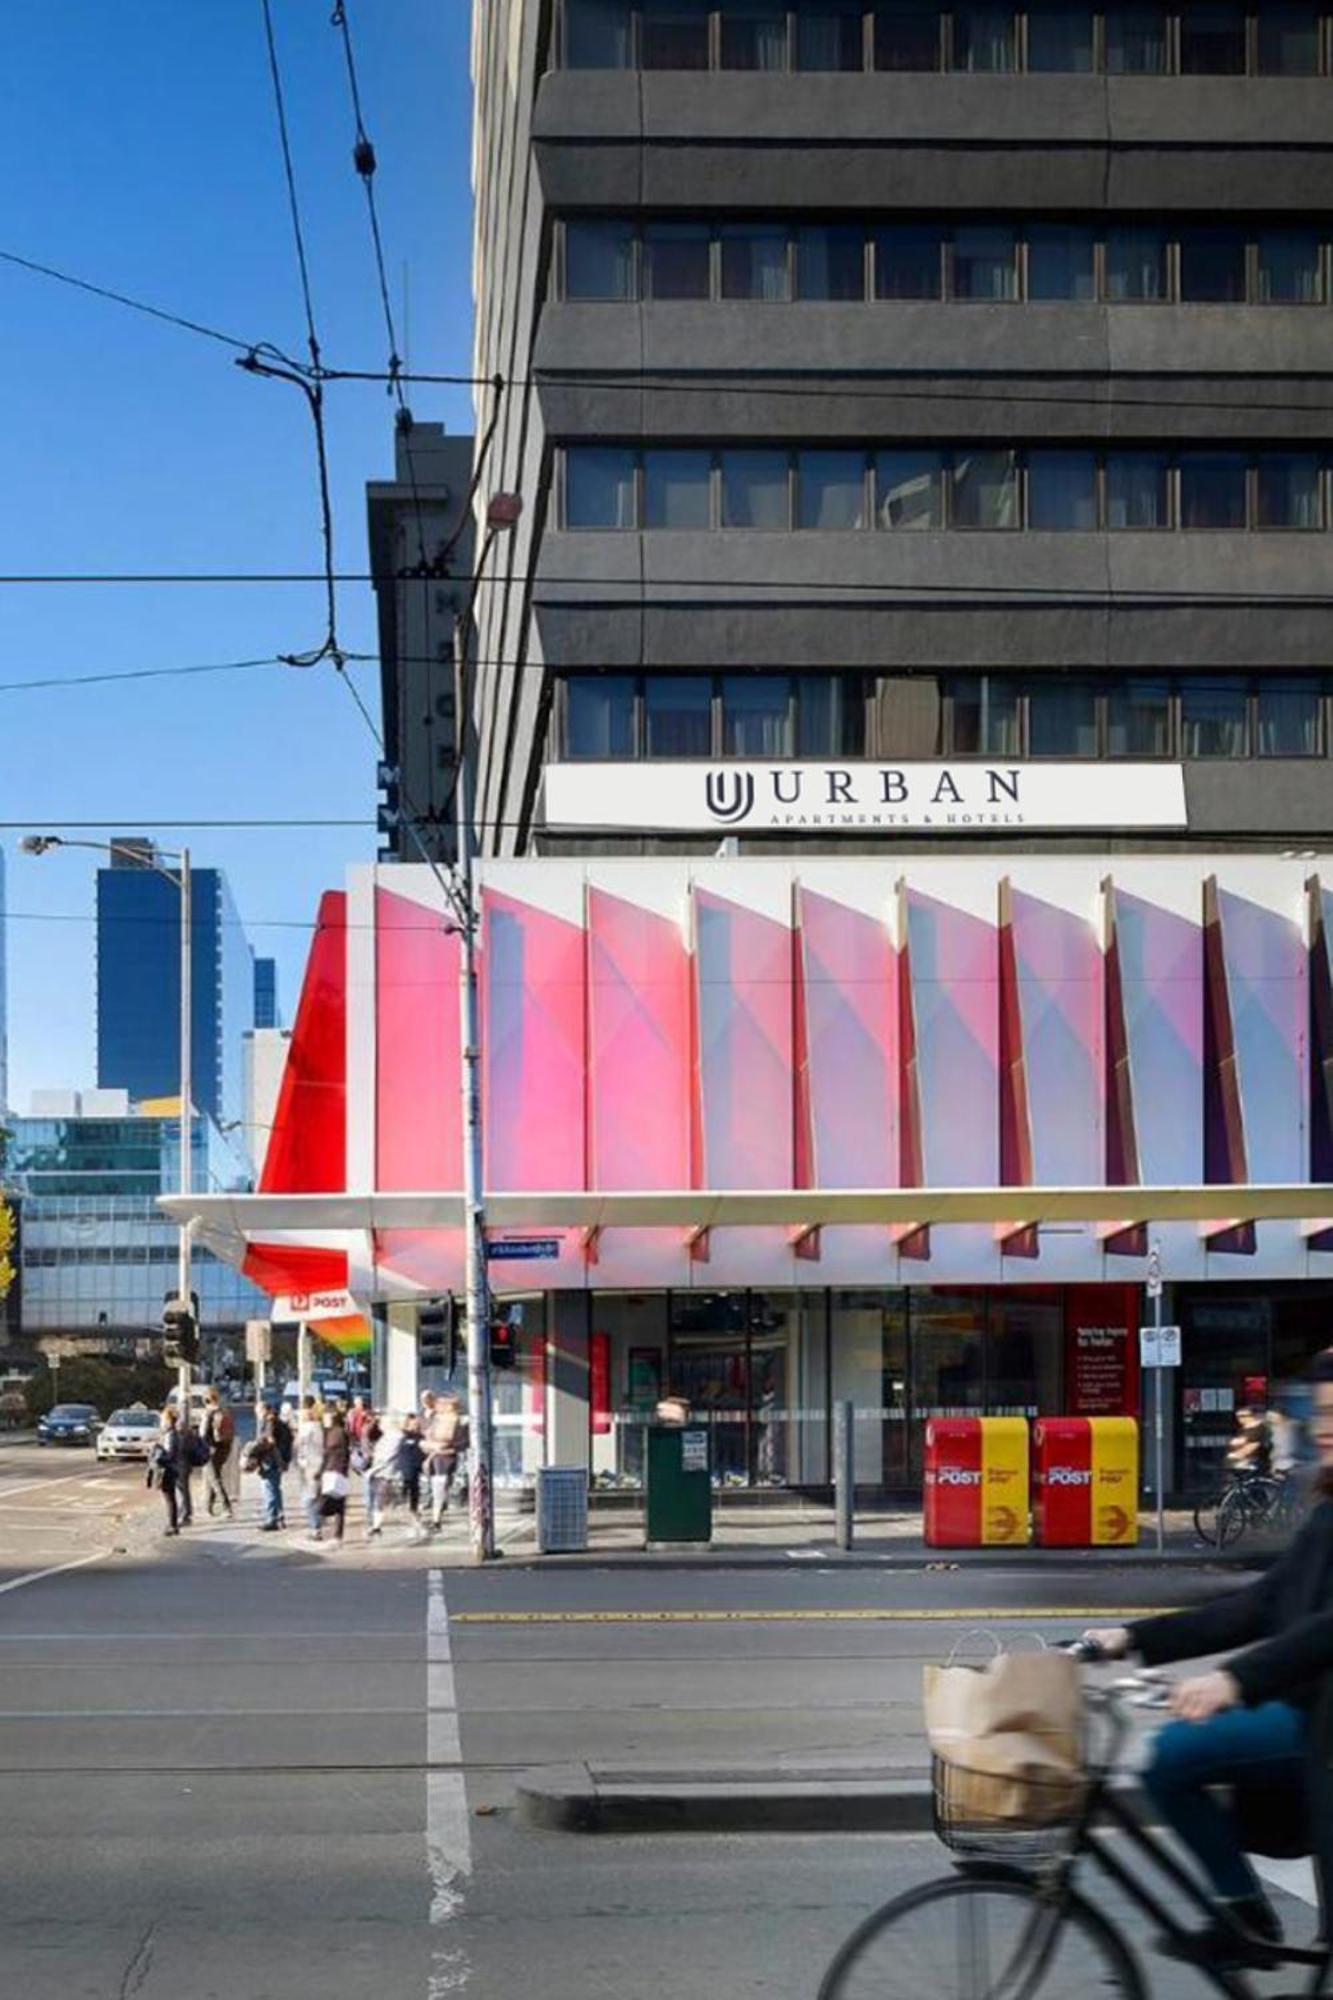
[[1086, 1482], [976, 1482]]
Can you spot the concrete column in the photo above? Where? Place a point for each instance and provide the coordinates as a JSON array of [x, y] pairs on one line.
[[401, 1387], [567, 1383]]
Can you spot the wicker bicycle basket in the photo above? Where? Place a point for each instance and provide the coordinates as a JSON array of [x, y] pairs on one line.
[[1004, 1816]]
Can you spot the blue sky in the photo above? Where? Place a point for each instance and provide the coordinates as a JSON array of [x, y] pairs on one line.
[[142, 153]]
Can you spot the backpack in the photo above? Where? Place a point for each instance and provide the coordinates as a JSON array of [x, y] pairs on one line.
[[196, 1449], [282, 1438]]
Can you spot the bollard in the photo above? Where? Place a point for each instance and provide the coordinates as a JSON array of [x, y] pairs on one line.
[[844, 1475]]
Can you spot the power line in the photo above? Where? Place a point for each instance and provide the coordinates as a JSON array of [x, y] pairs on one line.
[[145, 825], [144, 674], [125, 299]]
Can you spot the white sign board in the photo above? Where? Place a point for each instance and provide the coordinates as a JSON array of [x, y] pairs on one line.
[[694, 1451], [314, 1306], [1159, 1346], [962, 796], [258, 1341]]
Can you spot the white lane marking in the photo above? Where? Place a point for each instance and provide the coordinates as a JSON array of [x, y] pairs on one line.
[[1296, 1877], [56, 1569], [8, 1493], [448, 1836]]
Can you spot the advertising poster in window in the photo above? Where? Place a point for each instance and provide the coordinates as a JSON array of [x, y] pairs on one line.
[[599, 1372], [1101, 1351]]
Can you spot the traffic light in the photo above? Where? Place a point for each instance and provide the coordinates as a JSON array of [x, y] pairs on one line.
[[180, 1329], [435, 1334], [504, 1344]]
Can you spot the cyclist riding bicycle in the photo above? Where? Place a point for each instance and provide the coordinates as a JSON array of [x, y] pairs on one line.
[[1260, 1723]]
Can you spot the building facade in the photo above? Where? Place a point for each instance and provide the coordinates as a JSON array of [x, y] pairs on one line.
[[267, 1014], [421, 552], [138, 983], [97, 1255]]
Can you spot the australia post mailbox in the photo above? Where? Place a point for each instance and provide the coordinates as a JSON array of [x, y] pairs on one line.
[[976, 1482], [1085, 1482]]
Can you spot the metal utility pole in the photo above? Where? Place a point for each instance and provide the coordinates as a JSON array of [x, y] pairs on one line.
[[183, 1286], [1155, 1293]]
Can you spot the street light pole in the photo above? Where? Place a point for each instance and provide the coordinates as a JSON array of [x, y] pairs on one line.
[[183, 1287]]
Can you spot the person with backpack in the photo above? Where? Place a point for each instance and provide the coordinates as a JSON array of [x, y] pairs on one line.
[[192, 1456], [165, 1465], [411, 1459], [265, 1456], [220, 1437]]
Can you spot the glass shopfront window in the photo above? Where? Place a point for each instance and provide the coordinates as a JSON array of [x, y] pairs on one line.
[[519, 1396]]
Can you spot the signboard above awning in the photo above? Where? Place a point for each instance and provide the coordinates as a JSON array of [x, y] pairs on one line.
[[961, 796]]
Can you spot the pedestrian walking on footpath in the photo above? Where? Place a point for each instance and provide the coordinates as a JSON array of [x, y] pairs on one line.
[[335, 1469], [265, 1457], [446, 1441], [164, 1467], [309, 1455], [382, 1476], [411, 1460], [220, 1437], [359, 1419]]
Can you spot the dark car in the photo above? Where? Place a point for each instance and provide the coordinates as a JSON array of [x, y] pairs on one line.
[[69, 1423]]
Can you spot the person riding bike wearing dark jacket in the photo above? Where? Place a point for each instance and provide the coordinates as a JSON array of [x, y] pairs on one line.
[[1258, 1724]]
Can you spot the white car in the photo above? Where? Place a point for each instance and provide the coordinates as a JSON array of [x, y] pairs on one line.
[[128, 1433]]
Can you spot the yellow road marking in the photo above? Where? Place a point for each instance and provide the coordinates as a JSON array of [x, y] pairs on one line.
[[860, 1614]]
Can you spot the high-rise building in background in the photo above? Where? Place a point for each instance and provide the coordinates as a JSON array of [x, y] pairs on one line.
[[138, 984], [421, 549], [266, 993]]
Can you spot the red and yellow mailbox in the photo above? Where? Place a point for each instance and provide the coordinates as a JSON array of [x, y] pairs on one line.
[[976, 1482], [1085, 1486]]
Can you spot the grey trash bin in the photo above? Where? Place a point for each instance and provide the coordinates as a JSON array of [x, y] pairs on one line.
[[562, 1509]]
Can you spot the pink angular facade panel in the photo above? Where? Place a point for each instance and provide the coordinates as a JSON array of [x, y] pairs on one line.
[[1267, 989], [533, 1013], [418, 1110], [638, 1047], [847, 1014], [1061, 1004], [1160, 968], [953, 987], [743, 1002]]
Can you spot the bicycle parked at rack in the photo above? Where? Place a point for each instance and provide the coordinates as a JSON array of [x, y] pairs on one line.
[[1014, 1922], [1250, 1502]]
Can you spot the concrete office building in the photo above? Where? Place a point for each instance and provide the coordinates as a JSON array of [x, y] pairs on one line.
[[4, 996], [138, 983], [904, 731], [421, 550], [266, 1014]]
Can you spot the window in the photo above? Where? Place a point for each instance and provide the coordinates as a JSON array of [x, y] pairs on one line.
[[1136, 43], [831, 489], [1214, 718], [1060, 38], [599, 487], [678, 715], [677, 489], [831, 263], [1138, 490], [986, 721], [985, 261], [756, 715], [675, 34], [1060, 261], [1212, 40], [1288, 41], [754, 261], [829, 35], [1212, 266], [1289, 267], [1138, 718], [907, 37], [908, 261], [1287, 713], [676, 258], [597, 34], [599, 716], [1287, 490], [985, 39], [755, 489], [754, 35], [985, 489], [1062, 718], [1136, 267], [599, 260], [909, 489], [1062, 489], [827, 717], [1212, 490]]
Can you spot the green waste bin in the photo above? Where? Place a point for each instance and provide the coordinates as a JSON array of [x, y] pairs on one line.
[[679, 1472]]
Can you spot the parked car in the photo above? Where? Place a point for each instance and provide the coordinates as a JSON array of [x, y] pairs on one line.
[[69, 1423], [128, 1433]]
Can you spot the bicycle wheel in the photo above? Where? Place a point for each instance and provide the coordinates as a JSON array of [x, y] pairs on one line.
[[973, 1938], [1206, 1513], [1233, 1517]]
